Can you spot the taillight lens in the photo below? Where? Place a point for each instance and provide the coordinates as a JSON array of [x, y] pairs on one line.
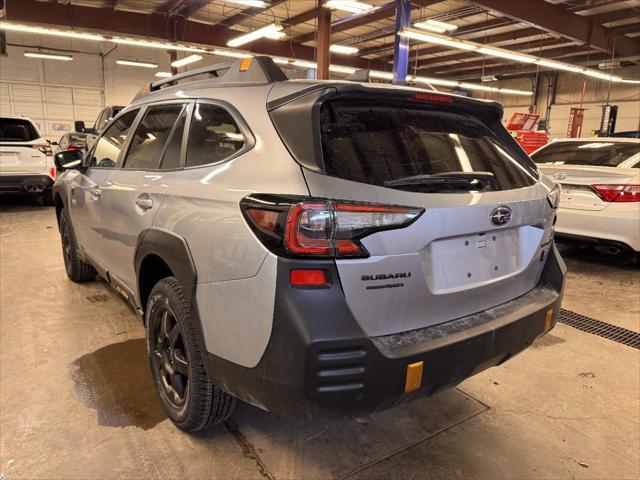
[[618, 193], [303, 278], [320, 227], [44, 148]]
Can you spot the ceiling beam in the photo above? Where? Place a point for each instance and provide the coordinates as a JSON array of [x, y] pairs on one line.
[[558, 20], [168, 6], [614, 16], [155, 26], [189, 8], [248, 12]]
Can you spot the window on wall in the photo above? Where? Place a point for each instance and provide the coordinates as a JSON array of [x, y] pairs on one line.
[[151, 137], [109, 145], [213, 136]]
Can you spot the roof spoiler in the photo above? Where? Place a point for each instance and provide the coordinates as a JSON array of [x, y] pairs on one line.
[[250, 70]]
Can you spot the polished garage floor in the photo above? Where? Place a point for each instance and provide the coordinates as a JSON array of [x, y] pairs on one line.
[[76, 399]]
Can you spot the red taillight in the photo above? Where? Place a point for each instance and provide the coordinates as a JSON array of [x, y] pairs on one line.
[[44, 148], [74, 147], [431, 97], [319, 227], [618, 193], [308, 278], [52, 172]]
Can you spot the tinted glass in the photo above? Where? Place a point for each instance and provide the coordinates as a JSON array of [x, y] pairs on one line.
[[109, 145], [376, 142], [151, 137], [17, 130], [213, 135], [77, 138], [600, 154], [171, 158]]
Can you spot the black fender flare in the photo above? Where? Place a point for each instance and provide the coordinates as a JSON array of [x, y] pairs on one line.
[[174, 251]]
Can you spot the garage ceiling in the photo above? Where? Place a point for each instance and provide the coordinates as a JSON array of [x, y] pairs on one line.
[[581, 32]]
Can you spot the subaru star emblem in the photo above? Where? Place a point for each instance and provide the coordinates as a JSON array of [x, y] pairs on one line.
[[501, 216]]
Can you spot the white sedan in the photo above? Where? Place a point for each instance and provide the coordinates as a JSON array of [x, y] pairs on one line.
[[600, 199]]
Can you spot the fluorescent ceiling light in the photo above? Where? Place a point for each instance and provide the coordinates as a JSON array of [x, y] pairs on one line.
[[186, 61], [163, 74], [436, 81], [516, 57], [229, 53], [435, 26], [49, 31], [348, 6], [345, 49], [560, 66], [152, 44], [250, 3], [437, 39], [48, 56], [341, 69], [381, 75], [475, 86], [280, 60], [270, 31], [133, 63], [603, 76], [515, 92], [305, 64]]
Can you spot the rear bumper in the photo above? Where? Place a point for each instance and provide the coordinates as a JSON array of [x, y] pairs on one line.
[[19, 183], [618, 223], [320, 364]]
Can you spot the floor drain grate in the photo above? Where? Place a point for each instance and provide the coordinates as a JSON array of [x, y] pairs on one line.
[[602, 329]]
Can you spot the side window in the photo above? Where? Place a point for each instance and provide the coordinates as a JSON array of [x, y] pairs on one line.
[[213, 135], [110, 143], [152, 135], [171, 158]]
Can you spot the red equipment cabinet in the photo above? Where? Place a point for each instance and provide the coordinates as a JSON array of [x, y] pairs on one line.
[[521, 126]]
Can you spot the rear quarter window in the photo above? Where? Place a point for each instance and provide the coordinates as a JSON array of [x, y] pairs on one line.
[[378, 142]]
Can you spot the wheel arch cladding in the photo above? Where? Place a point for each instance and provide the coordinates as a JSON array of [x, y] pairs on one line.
[[161, 254]]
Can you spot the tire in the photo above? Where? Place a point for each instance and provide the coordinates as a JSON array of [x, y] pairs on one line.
[[187, 395], [76, 269], [47, 198]]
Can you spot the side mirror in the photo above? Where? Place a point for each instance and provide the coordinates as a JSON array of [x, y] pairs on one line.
[[78, 125], [69, 160]]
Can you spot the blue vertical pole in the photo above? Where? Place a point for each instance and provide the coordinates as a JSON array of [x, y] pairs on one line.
[[401, 45]]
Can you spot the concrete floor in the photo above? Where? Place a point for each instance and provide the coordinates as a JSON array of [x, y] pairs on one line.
[[76, 399]]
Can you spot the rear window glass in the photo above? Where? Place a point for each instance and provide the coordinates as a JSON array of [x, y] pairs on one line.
[[77, 138], [17, 130], [377, 143], [596, 154]]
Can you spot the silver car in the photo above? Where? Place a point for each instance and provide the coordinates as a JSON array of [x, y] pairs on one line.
[[315, 248]]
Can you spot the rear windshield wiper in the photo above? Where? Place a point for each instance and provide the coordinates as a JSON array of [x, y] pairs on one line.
[[442, 178]]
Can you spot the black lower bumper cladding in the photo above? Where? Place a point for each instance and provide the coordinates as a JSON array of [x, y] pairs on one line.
[[320, 364], [19, 183]]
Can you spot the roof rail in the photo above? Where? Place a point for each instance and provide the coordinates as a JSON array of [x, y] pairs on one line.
[[250, 70]]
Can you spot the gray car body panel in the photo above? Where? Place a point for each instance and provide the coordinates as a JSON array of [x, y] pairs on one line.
[[236, 274]]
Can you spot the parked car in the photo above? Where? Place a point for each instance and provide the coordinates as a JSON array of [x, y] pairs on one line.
[[600, 200], [627, 134], [71, 141], [26, 161], [317, 249]]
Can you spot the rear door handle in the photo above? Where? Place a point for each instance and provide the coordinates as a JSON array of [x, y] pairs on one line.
[[144, 202]]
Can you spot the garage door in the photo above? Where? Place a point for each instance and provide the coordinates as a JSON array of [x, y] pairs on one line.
[[53, 108]]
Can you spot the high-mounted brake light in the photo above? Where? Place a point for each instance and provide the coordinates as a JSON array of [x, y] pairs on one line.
[[618, 193], [320, 227], [430, 97]]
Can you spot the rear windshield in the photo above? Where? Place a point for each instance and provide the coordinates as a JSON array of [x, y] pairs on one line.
[[17, 130], [77, 138], [596, 154], [375, 143]]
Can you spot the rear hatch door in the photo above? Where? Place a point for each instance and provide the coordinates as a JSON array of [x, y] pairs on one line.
[[21, 148], [458, 257]]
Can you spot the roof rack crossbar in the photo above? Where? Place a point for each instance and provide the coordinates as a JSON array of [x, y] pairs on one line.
[[213, 70], [250, 70]]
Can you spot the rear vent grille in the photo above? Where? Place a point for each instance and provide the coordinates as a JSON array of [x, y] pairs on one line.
[[342, 370], [602, 329]]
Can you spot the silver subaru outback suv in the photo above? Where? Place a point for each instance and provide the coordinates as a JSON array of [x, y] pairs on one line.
[[319, 249]]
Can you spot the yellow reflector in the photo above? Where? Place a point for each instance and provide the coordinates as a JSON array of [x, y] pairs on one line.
[[245, 64], [548, 320], [414, 377]]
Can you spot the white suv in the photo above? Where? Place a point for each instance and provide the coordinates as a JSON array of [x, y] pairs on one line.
[[315, 248], [26, 161]]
